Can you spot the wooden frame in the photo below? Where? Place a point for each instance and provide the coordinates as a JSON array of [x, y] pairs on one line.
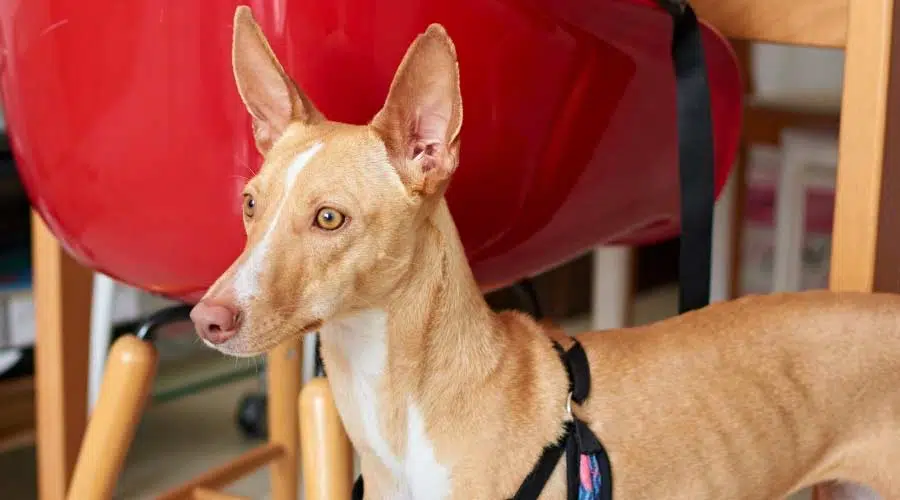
[[62, 301], [820, 23], [126, 387], [861, 256], [864, 249]]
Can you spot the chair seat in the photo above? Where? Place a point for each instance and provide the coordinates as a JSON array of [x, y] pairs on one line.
[[134, 146]]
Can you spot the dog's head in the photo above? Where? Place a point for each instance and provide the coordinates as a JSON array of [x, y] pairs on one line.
[[331, 218]]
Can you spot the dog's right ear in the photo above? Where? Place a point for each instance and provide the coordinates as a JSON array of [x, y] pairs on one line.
[[421, 119], [271, 97]]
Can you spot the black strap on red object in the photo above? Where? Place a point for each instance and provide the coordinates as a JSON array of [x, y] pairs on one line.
[[696, 160]]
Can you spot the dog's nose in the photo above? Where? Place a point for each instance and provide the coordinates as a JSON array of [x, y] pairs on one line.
[[216, 322]]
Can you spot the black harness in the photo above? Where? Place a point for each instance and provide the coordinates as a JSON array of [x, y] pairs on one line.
[[588, 469], [577, 441], [583, 450]]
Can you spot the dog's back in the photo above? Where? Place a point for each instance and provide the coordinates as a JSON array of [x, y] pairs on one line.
[[791, 389]]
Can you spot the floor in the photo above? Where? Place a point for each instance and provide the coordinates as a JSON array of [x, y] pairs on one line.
[[181, 438], [175, 442]]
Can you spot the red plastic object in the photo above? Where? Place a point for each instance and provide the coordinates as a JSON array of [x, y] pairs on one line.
[[134, 145]]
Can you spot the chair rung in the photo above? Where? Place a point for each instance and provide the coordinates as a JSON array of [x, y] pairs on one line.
[[821, 23], [226, 473]]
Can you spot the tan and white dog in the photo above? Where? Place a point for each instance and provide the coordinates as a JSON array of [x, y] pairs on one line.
[[348, 233]]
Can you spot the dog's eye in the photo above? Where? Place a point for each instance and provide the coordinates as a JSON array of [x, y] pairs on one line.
[[329, 219], [249, 205]]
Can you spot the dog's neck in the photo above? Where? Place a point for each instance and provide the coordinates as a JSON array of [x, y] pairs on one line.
[[389, 366], [437, 316], [440, 313]]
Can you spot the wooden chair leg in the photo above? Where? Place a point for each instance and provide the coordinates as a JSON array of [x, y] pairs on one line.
[[865, 248], [283, 379], [126, 386], [327, 455], [62, 301]]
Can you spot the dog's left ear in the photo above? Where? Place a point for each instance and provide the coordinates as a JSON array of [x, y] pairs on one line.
[[271, 96], [421, 119]]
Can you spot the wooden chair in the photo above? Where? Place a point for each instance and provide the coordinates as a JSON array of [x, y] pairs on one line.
[[80, 462], [865, 256]]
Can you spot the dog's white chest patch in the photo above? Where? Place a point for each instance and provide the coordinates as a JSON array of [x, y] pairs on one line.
[[426, 477], [362, 341], [246, 280]]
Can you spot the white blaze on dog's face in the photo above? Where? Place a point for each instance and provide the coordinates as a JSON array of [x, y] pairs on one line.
[[331, 217]]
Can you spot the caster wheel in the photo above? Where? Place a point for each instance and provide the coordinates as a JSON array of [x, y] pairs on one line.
[[251, 416]]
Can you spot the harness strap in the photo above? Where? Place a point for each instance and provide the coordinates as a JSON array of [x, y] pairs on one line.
[[539, 476], [581, 446], [578, 370]]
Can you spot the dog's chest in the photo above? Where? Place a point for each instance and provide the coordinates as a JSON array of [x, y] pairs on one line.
[[361, 343]]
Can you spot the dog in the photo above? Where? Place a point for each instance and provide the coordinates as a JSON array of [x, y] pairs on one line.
[[349, 234]]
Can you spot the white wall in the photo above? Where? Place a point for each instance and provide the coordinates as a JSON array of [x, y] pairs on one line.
[[798, 74]]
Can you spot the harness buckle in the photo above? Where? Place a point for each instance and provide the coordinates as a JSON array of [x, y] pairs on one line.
[[569, 406]]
